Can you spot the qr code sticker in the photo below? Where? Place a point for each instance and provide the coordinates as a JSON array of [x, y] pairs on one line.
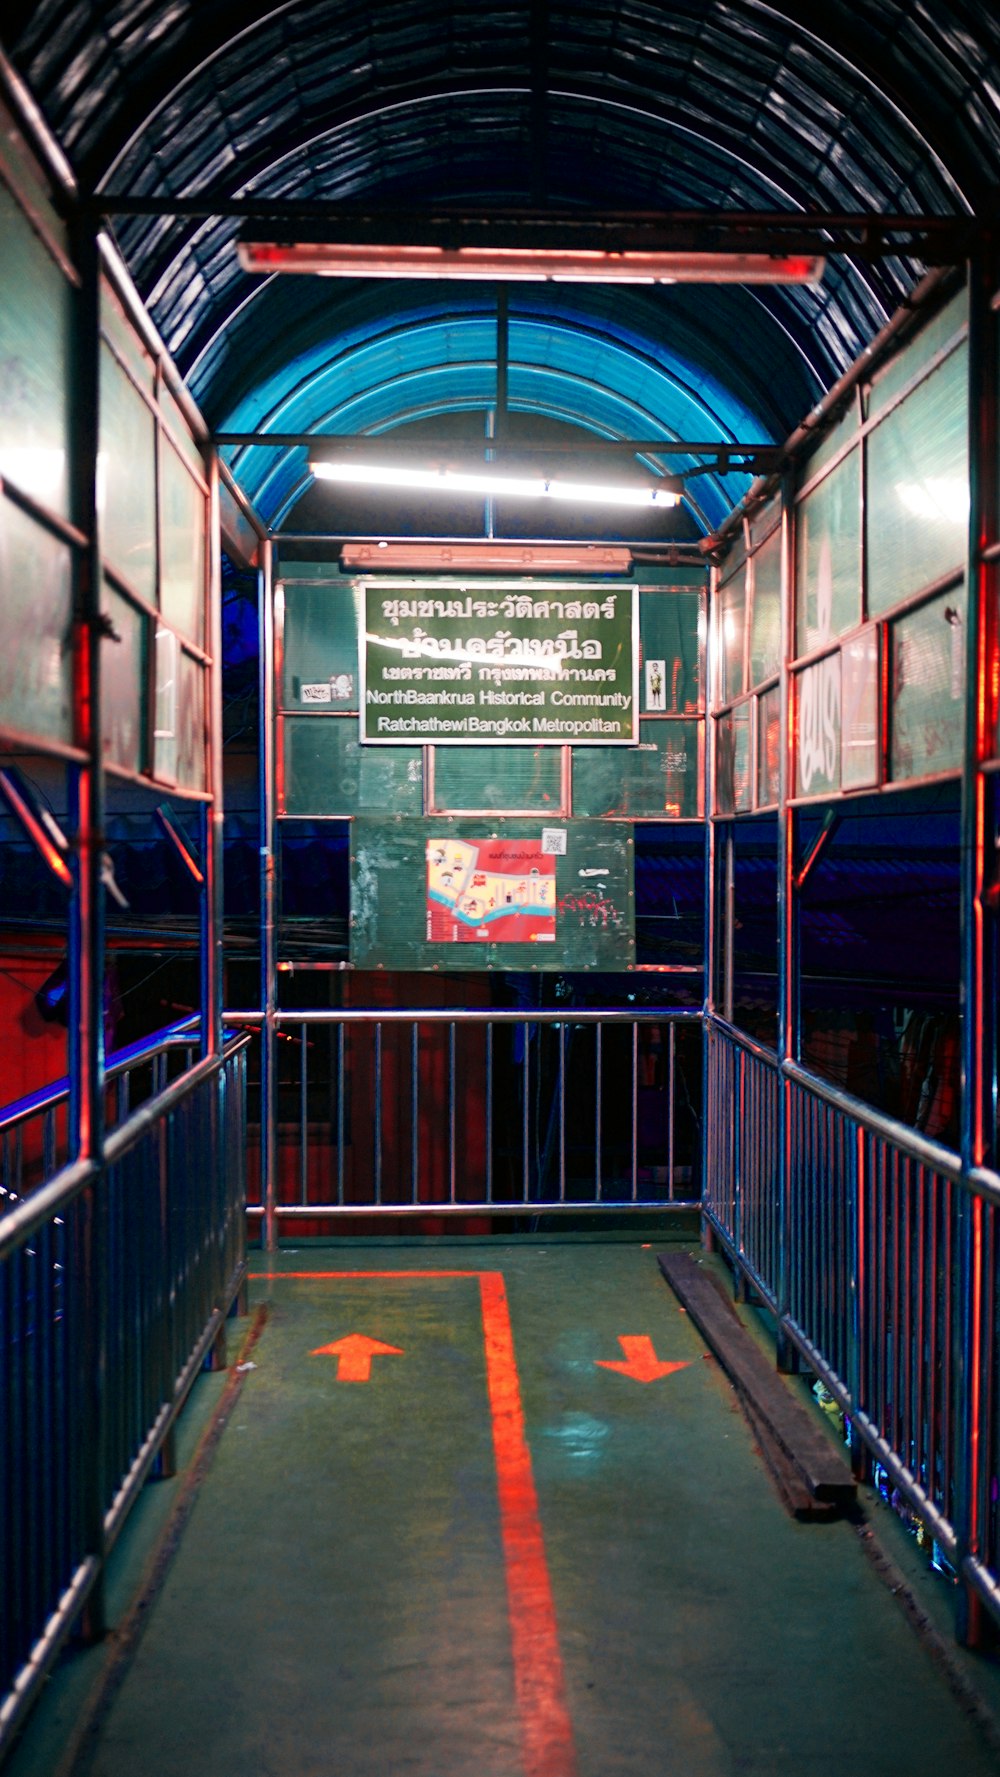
[[553, 842]]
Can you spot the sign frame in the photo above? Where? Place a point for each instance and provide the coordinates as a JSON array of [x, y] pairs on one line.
[[492, 592]]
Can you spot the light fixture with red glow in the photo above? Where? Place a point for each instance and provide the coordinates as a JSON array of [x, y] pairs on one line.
[[360, 259]]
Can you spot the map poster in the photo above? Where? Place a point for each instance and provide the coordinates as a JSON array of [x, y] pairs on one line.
[[502, 891]]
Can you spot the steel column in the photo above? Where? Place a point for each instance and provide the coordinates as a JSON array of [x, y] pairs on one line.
[[86, 937], [788, 948], [268, 904], [974, 1356]]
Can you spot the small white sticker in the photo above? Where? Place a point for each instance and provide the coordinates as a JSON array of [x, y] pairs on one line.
[[594, 872], [554, 842], [317, 693]]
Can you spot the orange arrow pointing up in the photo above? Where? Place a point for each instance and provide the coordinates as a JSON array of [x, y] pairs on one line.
[[355, 1352], [640, 1360]]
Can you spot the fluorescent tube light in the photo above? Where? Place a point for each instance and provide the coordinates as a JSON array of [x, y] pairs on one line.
[[346, 259], [519, 487]]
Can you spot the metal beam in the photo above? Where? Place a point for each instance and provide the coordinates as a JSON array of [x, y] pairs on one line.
[[860, 232], [454, 446]]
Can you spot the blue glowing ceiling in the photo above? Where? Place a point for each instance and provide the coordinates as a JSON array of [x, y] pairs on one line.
[[874, 106]]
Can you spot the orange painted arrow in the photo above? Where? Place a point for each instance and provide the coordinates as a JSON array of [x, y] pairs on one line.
[[355, 1352], [640, 1360]]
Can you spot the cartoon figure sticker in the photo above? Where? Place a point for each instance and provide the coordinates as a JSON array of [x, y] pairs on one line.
[[656, 684]]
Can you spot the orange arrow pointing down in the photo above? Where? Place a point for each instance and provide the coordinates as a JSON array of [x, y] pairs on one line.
[[640, 1360], [355, 1352]]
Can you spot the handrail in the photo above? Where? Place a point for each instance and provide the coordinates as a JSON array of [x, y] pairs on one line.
[[31, 1213], [20, 1223], [899, 1135], [120, 1141], [476, 1015], [723, 1026], [174, 1036]]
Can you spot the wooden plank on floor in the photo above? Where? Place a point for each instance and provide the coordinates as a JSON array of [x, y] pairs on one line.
[[824, 1473]]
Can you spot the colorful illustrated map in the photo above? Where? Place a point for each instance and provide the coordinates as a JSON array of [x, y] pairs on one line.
[[502, 891]]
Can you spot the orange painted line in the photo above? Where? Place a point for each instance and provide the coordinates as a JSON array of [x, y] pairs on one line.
[[539, 1684], [547, 1748]]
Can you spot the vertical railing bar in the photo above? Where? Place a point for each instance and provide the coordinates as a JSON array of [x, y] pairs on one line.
[[341, 1081], [525, 1145], [49, 1144], [452, 1116], [933, 1274], [635, 1113], [303, 1118], [947, 1340], [598, 1099], [909, 1423], [414, 1112], [489, 1113], [378, 1111], [671, 1077], [926, 1350], [897, 1317], [562, 1113]]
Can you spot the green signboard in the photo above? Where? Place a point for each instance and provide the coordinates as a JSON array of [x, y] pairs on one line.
[[524, 663]]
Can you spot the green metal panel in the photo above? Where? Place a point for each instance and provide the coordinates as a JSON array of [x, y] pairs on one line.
[[928, 686], [191, 736], [498, 778], [182, 570], [669, 631], [35, 320], [327, 772], [124, 683], [658, 778], [818, 727], [828, 580], [765, 635], [128, 452], [836, 440], [594, 900], [918, 352], [769, 747], [320, 642], [732, 603], [918, 487], [35, 626]]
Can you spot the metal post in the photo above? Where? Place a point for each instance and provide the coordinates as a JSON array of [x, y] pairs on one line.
[[708, 1150], [977, 937], [212, 813], [788, 956], [268, 902], [86, 938]]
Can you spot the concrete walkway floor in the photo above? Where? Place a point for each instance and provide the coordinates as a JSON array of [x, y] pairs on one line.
[[479, 1551]]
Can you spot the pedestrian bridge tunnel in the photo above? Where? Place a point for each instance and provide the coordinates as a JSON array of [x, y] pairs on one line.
[[499, 745]]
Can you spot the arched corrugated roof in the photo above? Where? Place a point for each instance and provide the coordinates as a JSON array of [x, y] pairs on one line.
[[876, 106]]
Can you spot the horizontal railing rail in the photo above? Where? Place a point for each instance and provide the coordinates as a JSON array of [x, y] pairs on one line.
[[880, 1256], [34, 1130], [481, 1111], [115, 1279]]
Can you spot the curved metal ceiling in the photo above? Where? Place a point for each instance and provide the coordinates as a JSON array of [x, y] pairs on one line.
[[875, 106]]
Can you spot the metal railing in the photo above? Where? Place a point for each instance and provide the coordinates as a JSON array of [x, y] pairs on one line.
[[879, 1256], [115, 1280], [34, 1129], [491, 1112]]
